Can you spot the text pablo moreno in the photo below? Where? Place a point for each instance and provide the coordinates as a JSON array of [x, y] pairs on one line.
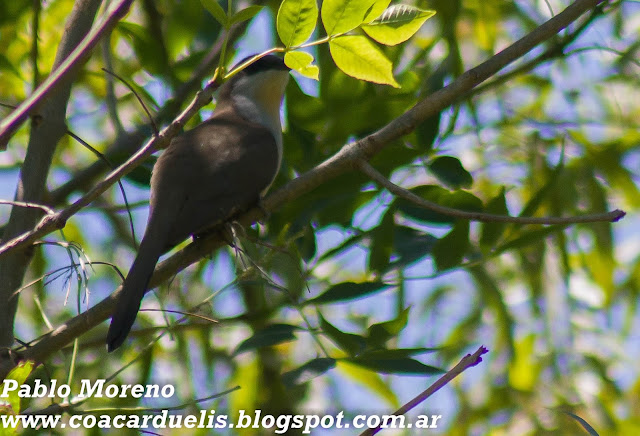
[[89, 388]]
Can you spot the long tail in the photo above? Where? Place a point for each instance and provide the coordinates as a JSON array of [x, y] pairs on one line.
[[133, 289]]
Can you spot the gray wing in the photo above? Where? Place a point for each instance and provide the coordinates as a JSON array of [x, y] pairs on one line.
[[202, 177]]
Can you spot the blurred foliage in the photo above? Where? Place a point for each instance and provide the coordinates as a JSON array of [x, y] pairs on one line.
[[557, 306]]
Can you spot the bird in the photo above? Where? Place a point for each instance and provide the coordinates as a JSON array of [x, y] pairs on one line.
[[223, 166]]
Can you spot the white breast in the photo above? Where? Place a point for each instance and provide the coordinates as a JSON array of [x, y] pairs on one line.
[[257, 98]]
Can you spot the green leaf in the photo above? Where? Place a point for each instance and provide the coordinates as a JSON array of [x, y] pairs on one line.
[[296, 21], [491, 232], [216, 10], [449, 251], [397, 24], [357, 57], [411, 245], [450, 171], [340, 16], [308, 371], [271, 335], [245, 14], [382, 243], [301, 62], [402, 365], [19, 374], [380, 333], [583, 423], [347, 291], [349, 342]]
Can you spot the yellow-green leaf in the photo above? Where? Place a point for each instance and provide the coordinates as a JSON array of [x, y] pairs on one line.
[[340, 16], [358, 57], [397, 24], [296, 21], [301, 62]]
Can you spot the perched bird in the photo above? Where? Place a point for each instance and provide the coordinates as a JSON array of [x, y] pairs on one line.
[[224, 165]]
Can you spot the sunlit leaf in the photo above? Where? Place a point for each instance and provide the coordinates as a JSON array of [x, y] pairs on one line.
[[340, 16], [397, 24], [302, 63], [296, 21], [356, 56]]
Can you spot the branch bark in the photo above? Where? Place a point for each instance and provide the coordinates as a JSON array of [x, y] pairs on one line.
[[346, 159]]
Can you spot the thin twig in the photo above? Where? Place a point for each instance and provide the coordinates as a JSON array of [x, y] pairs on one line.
[[144, 106], [467, 362], [366, 168], [42, 207], [106, 160]]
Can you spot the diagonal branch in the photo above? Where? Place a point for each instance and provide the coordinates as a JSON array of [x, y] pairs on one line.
[[346, 159], [364, 166], [467, 362]]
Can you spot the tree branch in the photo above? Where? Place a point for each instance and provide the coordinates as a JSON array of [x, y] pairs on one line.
[[481, 216], [467, 362], [347, 158]]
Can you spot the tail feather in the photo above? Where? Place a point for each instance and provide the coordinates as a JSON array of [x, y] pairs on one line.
[[133, 289]]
